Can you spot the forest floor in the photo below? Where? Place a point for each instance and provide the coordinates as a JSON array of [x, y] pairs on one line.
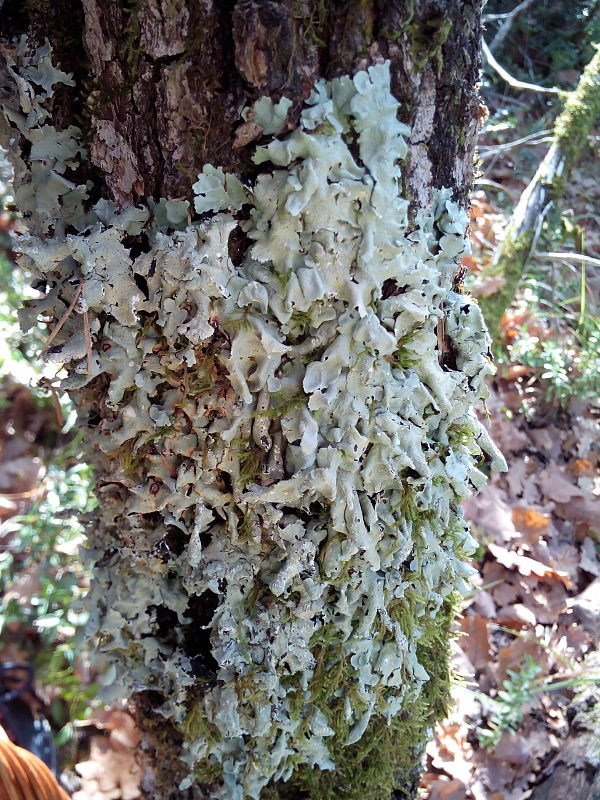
[[525, 722]]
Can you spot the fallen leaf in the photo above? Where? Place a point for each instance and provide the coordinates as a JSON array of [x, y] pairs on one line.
[[530, 521], [526, 565], [488, 286], [586, 509], [516, 616], [506, 593], [512, 656], [490, 510], [483, 603], [444, 789], [589, 557], [513, 748], [557, 487], [476, 643], [451, 752], [580, 466]]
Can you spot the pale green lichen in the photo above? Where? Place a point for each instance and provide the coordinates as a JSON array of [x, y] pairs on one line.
[[261, 413]]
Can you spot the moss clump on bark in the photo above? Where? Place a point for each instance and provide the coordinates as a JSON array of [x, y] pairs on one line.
[[387, 759], [513, 256]]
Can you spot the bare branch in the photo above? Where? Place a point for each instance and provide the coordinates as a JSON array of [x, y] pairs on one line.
[[578, 257], [533, 139], [509, 18], [516, 84], [495, 185]]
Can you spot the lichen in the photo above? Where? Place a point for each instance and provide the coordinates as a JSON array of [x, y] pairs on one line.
[[282, 447]]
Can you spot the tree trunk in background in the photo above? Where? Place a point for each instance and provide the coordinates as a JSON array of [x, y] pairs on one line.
[[571, 131], [172, 401]]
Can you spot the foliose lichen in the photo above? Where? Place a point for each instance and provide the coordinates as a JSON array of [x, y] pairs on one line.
[[275, 441]]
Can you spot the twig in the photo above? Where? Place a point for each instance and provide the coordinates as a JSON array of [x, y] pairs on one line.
[[509, 18], [516, 84], [495, 185], [502, 100], [496, 17], [46, 383], [595, 262], [88, 342], [61, 321], [487, 151]]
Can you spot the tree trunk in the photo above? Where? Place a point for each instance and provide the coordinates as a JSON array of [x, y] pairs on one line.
[[277, 383]]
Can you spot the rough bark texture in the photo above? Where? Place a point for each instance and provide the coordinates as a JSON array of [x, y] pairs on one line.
[[159, 88], [165, 80]]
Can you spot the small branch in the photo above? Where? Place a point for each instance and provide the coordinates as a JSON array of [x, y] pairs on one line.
[[61, 321], [509, 18], [88, 342], [577, 257], [496, 17], [495, 185], [516, 84], [533, 139]]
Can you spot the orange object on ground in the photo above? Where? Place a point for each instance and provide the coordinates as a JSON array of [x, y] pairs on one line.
[[24, 776]]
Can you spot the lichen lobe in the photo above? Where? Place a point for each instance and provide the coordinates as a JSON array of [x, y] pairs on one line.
[[280, 438]]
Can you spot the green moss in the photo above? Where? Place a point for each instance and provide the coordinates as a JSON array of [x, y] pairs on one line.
[[393, 36], [460, 434], [129, 46], [427, 40], [387, 759], [281, 405], [580, 112], [314, 21], [513, 256], [404, 357], [570, 135], [251, 461]]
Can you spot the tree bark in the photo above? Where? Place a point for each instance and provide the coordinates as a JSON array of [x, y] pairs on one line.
[[236, 511], [161, 83]]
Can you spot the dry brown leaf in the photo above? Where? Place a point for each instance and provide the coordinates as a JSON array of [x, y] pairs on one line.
[[530, 521], [513, 748], [488, 286], [476, 643], [586, 509], [557, 487], [511, 656], [491, 510], [526, 565], [483, 603], [546, 600], [123, 731], [505, 593], [580, 467], [112, 771], [445, 789], [451, 752], [516, 616], [589, 557]]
